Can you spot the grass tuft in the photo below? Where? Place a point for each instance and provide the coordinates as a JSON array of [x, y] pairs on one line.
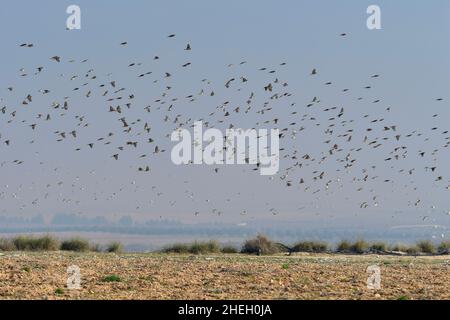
[[194, 248], [260, 245], [426, 246], [344, 246], [114, 247], [75, 244], [7, 245], [59, 291], [27, 243], [112, 278], [359, 246], [311, 246]]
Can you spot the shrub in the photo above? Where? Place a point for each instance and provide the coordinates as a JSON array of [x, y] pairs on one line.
[[114, 247], [23, 243], [260, 245], [359, 246], [412, 250], [204, 247], [426, 246], [48, 243], [45, 243], [7, 245], [310, 246], [444, 247], [75, 244], [177, 248], [194, 248], [344, 246], [229, 249], [378, 246], [213, 246]]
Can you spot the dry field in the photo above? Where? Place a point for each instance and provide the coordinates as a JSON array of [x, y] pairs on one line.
[[161, 276]]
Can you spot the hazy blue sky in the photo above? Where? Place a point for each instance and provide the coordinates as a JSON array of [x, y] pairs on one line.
[[411, 53]]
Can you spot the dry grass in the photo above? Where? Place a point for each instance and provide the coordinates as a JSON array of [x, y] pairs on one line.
[[75, 244], [196, 247], [260, 245], [43, 275], [27, 243], [311, 246]]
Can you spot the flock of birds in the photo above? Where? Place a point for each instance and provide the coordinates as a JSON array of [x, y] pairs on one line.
[[364, 153]]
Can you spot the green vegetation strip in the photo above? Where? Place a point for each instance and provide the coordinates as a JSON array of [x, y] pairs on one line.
[[260, 245]]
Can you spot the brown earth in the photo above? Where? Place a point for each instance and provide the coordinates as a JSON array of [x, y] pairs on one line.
[[161, 276]]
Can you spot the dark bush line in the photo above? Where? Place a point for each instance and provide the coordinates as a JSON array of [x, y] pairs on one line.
[[260, 245], [196, 247], [311, 246], [48, 243], [45, 243], [75, 244]]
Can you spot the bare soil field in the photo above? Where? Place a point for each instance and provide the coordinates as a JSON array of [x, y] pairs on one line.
[[44, 275]]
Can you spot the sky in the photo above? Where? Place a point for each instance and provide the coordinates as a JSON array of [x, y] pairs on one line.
[[410, 53]]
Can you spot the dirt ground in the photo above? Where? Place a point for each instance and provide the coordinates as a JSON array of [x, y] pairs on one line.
[[161, 276]]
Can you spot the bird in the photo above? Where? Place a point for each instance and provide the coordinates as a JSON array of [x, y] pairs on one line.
[[356, 144]]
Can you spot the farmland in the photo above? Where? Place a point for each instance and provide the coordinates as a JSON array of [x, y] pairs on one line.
[[44, 275]]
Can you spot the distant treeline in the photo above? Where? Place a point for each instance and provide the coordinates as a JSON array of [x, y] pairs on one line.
[[260, 245]]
